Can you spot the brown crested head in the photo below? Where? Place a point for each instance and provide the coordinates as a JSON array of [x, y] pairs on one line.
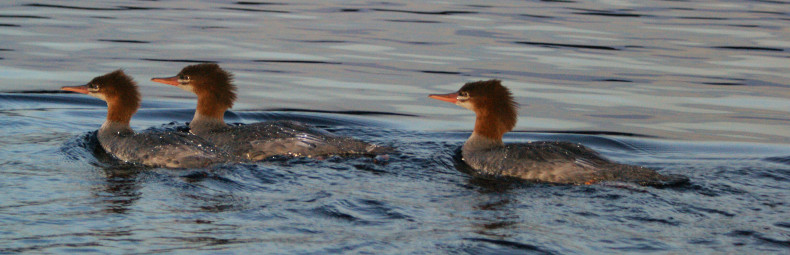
[[210, 83], [120, 92], [494, 105]]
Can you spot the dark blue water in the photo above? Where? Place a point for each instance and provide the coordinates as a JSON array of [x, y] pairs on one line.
[[63, 194], [692, 88]]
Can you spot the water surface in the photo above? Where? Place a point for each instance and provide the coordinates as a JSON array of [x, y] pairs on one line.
[[692, 88]]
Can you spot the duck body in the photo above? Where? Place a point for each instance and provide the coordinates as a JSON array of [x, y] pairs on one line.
[[157, 149], [262, 140], [216, 93], [542, 161], [556, 162]]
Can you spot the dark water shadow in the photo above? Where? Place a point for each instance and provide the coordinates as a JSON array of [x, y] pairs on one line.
[[41, 99], [117, 8], [418, 21], [424, 12], [281, 61], [76, 104], [610, 13], [123, 41], [749, 48], [178, 60], [252, 10], [573, 46]]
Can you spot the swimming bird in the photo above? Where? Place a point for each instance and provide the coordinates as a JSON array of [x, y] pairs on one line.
[[158, 149], [543, 161], [216, 93]]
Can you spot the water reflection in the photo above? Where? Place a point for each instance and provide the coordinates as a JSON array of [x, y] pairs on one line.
[[120, 190], [495, 216]]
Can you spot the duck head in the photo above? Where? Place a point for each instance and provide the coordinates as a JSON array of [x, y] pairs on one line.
[[117, 89], [213, 86], [492, 103]]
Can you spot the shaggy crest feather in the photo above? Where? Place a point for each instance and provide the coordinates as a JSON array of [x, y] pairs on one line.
[[214, 85], [495, 108], [118, 88]]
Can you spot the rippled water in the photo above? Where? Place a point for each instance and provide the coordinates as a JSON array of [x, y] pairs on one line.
[[692, 88]]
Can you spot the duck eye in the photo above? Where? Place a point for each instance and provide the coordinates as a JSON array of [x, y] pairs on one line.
[[183, 77], [93, 86], [463, 95]]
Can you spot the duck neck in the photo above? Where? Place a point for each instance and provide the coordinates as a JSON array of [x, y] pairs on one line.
[[481, 142], [118, 118], [209, 115], [487, 133], [115, 128]]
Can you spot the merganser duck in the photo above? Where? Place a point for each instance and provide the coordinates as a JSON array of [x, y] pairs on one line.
[[158, 149], [216, 93], [545, 161]]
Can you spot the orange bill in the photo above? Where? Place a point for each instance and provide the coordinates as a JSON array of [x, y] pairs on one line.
[[79, 89], [452, 97], [169, 80]]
